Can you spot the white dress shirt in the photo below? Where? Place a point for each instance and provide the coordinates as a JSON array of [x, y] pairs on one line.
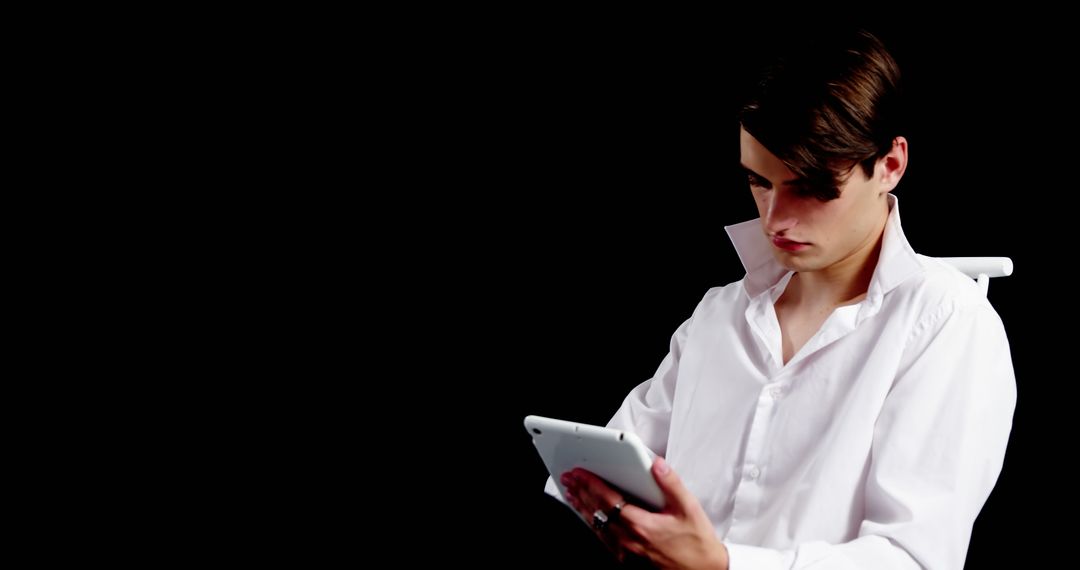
[[874, 447]]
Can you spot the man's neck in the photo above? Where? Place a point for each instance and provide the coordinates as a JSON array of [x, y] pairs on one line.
[[843, 282]]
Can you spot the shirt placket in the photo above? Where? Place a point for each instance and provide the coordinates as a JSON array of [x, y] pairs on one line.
[[752, 471]]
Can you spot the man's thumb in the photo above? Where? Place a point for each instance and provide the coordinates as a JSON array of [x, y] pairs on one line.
[[675, 493]]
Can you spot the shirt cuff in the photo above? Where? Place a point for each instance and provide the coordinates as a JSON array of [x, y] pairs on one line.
[[743, 557], [552, 489]]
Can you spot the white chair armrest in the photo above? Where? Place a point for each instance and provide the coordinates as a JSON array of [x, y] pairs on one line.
[[982, 268]]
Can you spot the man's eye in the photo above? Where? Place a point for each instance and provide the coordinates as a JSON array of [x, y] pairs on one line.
[[808, 191], [754, 180]]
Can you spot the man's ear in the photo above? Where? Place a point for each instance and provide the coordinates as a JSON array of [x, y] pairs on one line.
[[893, 164]]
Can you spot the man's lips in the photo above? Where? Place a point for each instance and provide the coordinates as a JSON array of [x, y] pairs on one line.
[[788, 244]]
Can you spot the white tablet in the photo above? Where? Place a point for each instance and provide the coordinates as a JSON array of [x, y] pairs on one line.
[[617, 457]]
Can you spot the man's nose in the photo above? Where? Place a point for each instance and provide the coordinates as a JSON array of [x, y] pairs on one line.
[[781, 214]]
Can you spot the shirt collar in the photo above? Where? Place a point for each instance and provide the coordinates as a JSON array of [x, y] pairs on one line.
[[896, 263]]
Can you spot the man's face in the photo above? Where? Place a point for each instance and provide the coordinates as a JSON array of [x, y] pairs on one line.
[[807, 234]]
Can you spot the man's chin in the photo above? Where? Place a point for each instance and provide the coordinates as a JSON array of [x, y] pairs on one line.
[[795, 262]]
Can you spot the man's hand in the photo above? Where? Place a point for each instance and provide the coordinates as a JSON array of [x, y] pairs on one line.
[[680, 536]]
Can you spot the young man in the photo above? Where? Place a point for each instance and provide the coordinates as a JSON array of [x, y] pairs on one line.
[[847, 403]]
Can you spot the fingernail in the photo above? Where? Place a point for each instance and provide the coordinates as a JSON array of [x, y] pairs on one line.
[[662, 466]]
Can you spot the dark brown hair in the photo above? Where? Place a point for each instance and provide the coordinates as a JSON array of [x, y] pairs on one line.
[[826, 107]]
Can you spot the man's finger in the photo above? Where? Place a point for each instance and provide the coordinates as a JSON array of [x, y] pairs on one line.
[[593, 492], [678, 499]]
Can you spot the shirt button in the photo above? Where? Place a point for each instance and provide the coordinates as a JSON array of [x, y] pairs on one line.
[[754, 472]]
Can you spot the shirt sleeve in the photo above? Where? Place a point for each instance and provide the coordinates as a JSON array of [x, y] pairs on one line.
[[939, 444], [646, 411]]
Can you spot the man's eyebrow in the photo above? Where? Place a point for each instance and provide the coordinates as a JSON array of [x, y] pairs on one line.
[[792, 182]]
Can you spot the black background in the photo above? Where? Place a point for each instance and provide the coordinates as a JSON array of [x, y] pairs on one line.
[[390, 237], [578, 178]]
